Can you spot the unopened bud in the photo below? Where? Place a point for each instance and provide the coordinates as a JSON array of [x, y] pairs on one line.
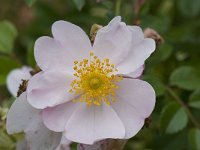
[[151, 33], [93, 31]]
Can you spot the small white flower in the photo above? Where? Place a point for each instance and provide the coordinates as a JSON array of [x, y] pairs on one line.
[[81, 88], [15, 77]]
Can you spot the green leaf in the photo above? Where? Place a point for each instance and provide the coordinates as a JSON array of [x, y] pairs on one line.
[[186, 78], [6, 141], [10, 64], [189, 7], [174, 118], [30, 57], [156, 83], [79, 4], [30, 2], [161, 54], [194, 139], [194, 100], [8, 34]]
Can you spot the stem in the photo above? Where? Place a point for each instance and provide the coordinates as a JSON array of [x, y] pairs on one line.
[[118, 7], [177, 98]]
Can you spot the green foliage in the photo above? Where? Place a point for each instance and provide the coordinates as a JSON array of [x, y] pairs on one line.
[[30, 2], [6, 141], [162, 53], [30, 57], [174, 118], [6, 65], [185, 77], [189, 7], [174, 65], [194, 139], [79, 4], [8, 34], [156, 83], [194, 100]]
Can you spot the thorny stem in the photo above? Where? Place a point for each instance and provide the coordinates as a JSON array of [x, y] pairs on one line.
[[189, 113], [118, 7]]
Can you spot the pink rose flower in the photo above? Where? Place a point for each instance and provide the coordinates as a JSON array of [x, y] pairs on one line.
[[91, 92]]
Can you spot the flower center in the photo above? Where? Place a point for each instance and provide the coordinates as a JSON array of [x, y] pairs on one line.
[[95, 81]]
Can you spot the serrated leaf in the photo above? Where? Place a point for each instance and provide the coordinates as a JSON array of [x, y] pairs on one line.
[[30, 2], [194, 139], [194, 100], [8, 34], [79, 4], [174, 118], [189, 7], [185, 77]]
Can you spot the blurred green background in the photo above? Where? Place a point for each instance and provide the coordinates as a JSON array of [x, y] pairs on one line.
[[173, 70]]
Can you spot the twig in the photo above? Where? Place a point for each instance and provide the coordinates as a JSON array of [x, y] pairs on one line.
[[189, 113]]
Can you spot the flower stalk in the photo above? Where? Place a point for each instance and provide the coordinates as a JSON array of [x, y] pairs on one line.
[[118, 7]]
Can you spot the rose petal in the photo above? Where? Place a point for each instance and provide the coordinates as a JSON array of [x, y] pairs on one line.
[[141, 49], [21, 115], [42, 138], [138, 94], [113, 41], [69, 43], [88, 125], [50, 88], [56, 117], [136, 74], [132, 121]]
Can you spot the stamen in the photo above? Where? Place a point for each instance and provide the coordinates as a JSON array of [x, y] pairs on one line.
[[95, 81]]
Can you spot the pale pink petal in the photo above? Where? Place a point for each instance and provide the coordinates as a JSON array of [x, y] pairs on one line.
[[136, 74], [137, 35], [15, 77], [42, 138], [73, 39], [21, 115], [69, 43], [132, 121], [24, 118], [113, 41], [55, 118], [141, 49], [138, 94], [48, 89], [89, 124]]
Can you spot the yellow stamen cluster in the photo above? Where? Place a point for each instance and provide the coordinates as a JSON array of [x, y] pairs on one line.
[[95, 81]]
